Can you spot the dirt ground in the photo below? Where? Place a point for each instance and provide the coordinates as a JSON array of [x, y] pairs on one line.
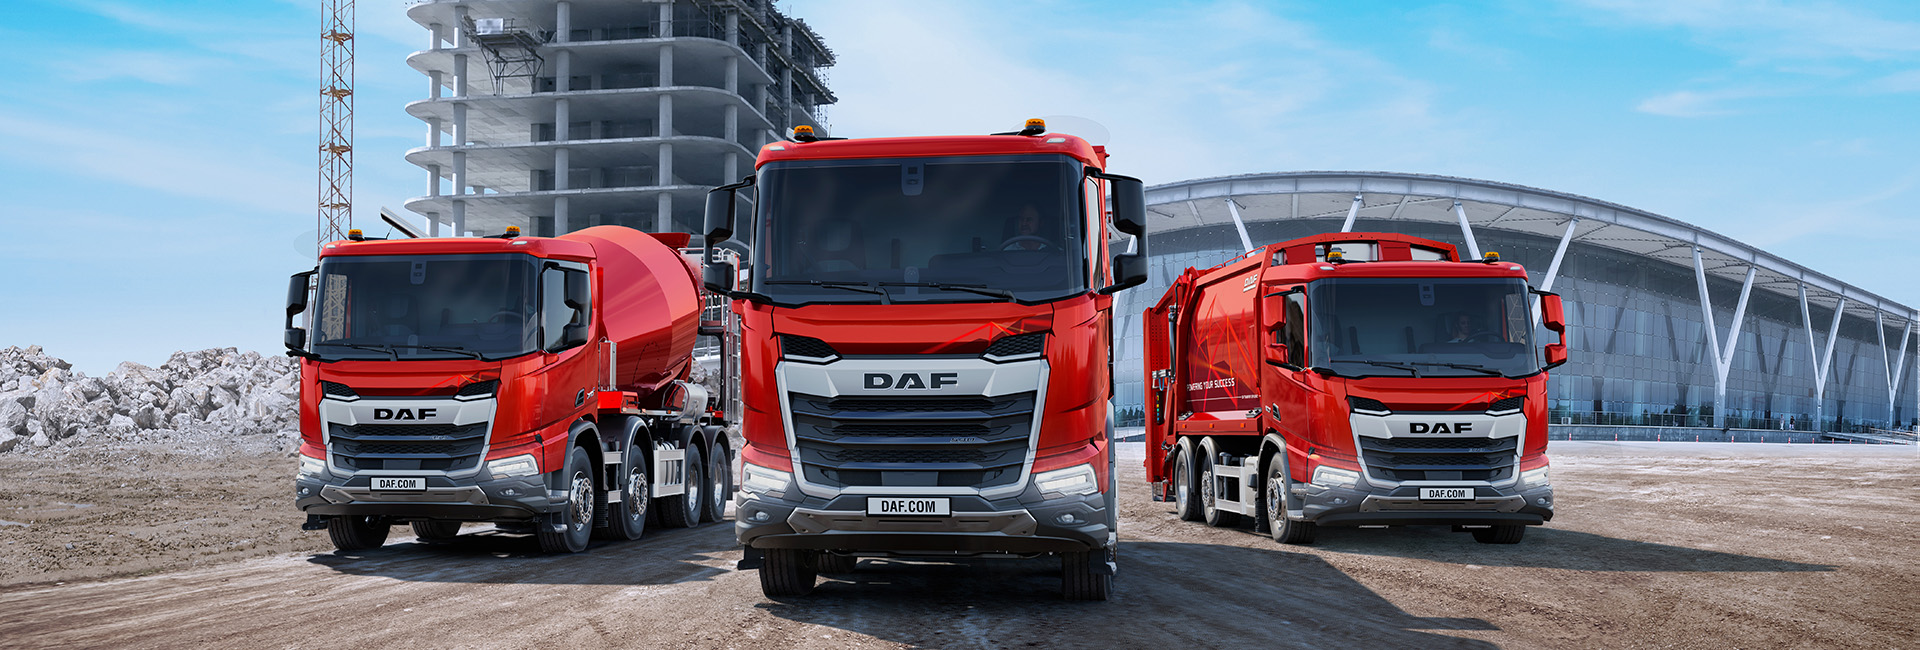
[[1656, 545]]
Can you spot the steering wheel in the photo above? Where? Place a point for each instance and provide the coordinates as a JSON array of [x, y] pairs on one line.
[[1014, 243], [516, 316], [1482, 336]]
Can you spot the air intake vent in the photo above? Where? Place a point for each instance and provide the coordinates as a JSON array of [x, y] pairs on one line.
[[1017, 346], [1366, 405], [337, 390], [479, 388], [1508, 404], [806, 346]]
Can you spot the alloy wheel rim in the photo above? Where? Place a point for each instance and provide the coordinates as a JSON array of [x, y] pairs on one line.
[[636, 494], [582, 497]]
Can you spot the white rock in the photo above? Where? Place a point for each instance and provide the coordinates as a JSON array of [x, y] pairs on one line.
[[40, 440]]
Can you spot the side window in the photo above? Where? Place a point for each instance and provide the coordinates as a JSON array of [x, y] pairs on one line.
[[1296, 330]]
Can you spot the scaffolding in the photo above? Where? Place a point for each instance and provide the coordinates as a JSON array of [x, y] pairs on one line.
[[336, 123], [512, 52]]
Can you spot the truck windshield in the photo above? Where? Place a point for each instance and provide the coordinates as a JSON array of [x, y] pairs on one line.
[[1426, 327], [946, 229], [426, 307]]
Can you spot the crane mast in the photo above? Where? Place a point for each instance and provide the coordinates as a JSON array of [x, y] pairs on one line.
[[336, 122]]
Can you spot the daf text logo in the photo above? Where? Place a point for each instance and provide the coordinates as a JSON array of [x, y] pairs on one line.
[[403, 414], [937, 380], [1439, 427]]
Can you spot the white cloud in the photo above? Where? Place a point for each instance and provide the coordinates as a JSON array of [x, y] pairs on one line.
[[1769, 29], [160, 160], [1687, 103]]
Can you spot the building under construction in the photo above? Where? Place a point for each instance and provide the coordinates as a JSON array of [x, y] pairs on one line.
[[559, 115]]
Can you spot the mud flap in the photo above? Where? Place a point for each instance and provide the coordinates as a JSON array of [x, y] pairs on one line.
[[315, 522], [750, 558], [1108, 566]]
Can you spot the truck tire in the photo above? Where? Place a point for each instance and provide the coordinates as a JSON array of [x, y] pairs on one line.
[[1278, 494], [683, 510], [627, 520], [831, 563], [576, 516], [1500, 534], [719, 477], [436, 530], [786, 572], [1184, 489], [1083, 576], [350, 533], [1213, 515]]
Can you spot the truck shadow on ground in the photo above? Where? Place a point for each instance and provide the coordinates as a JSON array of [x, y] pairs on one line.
[[1249, 597], [1545, 548], [661, 557]]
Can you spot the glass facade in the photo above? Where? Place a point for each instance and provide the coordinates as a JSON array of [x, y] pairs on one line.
[[1637, 344]]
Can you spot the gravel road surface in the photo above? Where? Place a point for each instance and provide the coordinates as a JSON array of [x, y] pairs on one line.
[[1655, 545]]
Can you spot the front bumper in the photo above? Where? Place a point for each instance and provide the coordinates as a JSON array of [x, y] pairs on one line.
[[1401, 506], [467, 499], [1024, 524]]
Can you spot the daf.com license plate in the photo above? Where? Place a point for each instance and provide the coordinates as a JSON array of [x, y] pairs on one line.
[[896, 506], [1446, 493], [399, 484]]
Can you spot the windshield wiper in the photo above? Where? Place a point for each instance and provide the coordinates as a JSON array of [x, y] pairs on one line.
[[1410, 369], [861, 287], [393, 349], [1462, 366], [374, 348], [981, 289]]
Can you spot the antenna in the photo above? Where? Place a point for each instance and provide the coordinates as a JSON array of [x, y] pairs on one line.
[[336, 122]]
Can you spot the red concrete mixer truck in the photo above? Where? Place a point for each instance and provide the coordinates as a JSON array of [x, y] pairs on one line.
[[541, 384], [1352, 379], [926, 351]]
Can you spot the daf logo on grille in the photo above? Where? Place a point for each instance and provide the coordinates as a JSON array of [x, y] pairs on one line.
[[908, 380], [403, 414], [1439, 427]]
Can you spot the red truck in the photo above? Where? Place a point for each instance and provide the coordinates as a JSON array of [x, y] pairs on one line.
[[925, 351], [542, 384], [1352, 379]]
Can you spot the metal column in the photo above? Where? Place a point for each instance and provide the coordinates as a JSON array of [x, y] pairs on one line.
[[1246, 243], [1466, 230], [1722, 361], [1354, 211]]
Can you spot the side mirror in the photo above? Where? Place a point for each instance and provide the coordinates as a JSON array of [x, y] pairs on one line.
[[720, 209], [571, 336], [1554, 318], [579, 294], [718, 276], [296, 338], [1130, 217]]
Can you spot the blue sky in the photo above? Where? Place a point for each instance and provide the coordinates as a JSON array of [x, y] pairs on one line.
[[157, 158]]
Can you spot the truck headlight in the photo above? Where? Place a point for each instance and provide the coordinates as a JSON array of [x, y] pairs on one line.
[[1533, 478], [762, 480], [1072, 481], [1325, 476], [521, 465], [310, 466]]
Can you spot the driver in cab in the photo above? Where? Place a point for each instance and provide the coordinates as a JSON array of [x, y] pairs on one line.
[[1023, 233]]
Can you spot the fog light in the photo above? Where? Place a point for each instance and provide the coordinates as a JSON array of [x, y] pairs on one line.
[[759, 516], [1067, 519], [306, 492], [509, 492]]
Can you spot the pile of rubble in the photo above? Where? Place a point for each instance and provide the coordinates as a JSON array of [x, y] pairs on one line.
[[212, 396]]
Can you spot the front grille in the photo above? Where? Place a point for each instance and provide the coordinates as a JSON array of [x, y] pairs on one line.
[[1439, 459], [441, 447], [969, 441], [1013, 346]]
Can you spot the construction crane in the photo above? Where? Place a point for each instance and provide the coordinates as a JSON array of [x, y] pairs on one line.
[[336, 122]]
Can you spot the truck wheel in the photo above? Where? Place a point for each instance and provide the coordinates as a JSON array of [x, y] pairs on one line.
[[683, 510], [1500, 534], [576, 516], [1285, 530], [832, 563], [436, 531], [357, 533], [1184, 503], [719, 477], [788, 572], [1083, 575], [1214, 516], [628, 518]]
